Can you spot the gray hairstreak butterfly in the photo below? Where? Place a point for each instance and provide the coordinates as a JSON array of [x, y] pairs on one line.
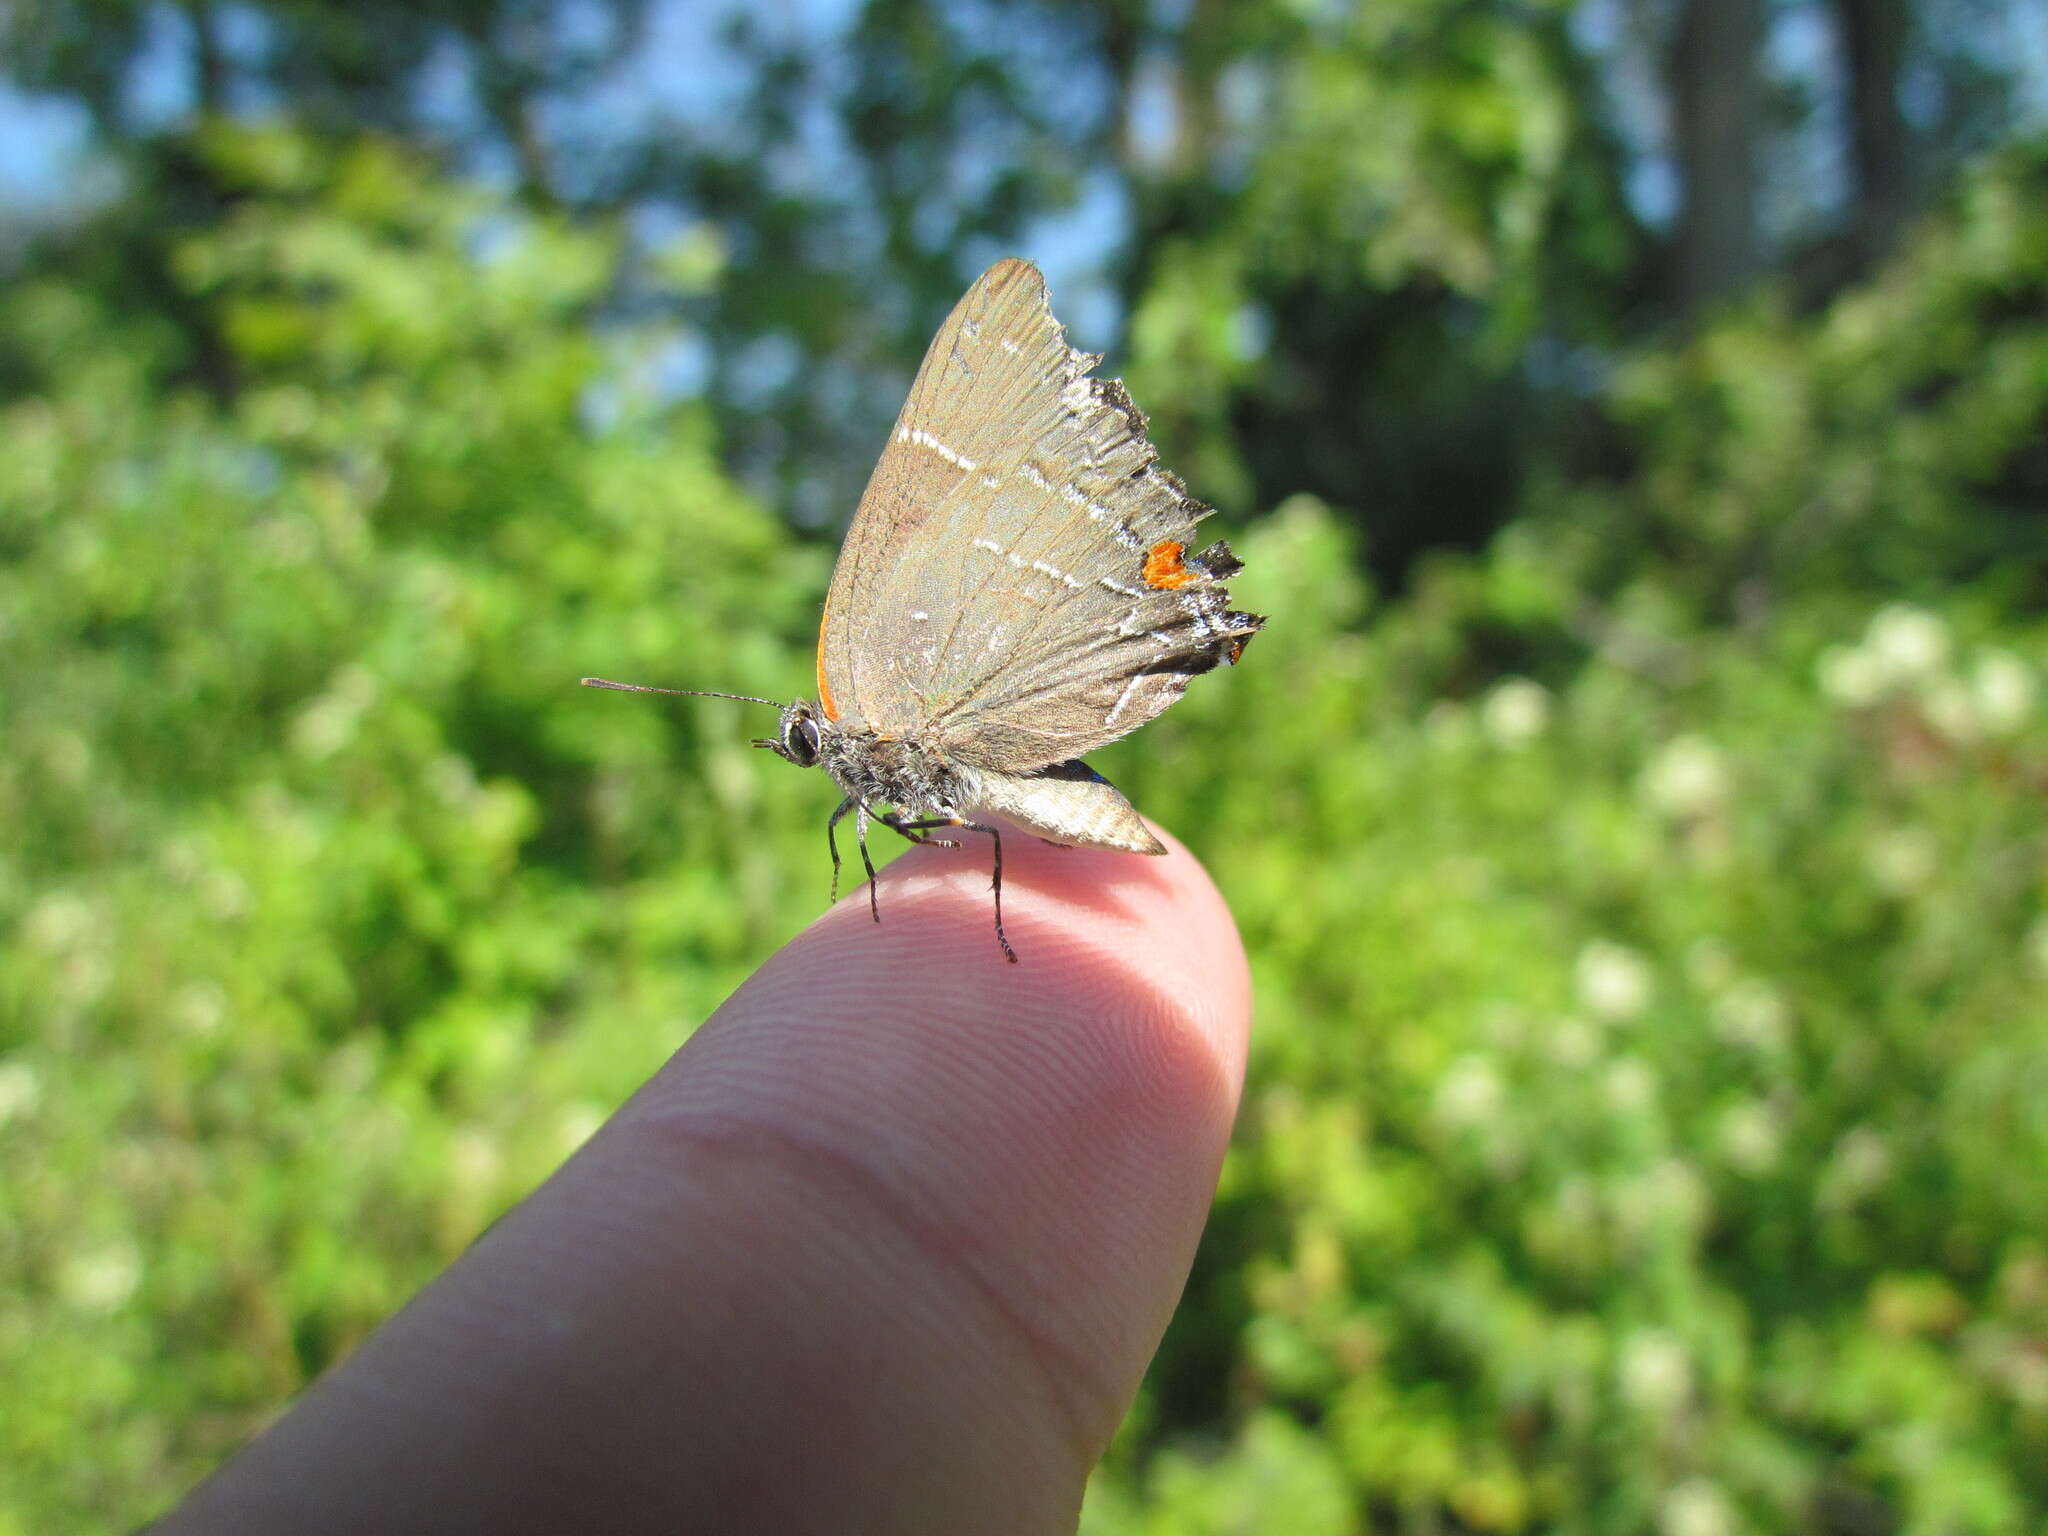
[[1016, 590]]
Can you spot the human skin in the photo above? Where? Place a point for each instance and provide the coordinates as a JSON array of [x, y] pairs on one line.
[[886, 1246]]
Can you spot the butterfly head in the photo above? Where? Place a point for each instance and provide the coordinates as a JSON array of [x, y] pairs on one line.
[[798, 737]]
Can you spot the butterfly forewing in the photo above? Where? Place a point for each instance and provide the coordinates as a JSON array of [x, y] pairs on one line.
[[1047, 602], [977, 392]]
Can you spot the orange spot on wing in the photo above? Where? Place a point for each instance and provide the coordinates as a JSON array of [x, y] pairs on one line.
[[1163, 569], [826, 706]]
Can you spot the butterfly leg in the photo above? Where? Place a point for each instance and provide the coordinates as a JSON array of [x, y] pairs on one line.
[[910, 833], [913, 831], [860, 837], [832, 842], [968, 826]]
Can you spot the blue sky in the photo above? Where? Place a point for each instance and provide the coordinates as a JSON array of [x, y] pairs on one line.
[[684, 79]]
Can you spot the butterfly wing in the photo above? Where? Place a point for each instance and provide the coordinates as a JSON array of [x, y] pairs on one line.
[[962, 412], [1065, 803], [1019, 562]]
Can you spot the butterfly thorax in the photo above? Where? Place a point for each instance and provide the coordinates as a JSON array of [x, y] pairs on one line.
[[880, 770], [873, 769]]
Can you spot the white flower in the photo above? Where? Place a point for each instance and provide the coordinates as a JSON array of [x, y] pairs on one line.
[[199, 1007], [2004, 688], [1679, 1191], [330, 722], [1696, 1507], [1862, 1160], [323, 728], [1656, 1371], [58, 922], [1753, 1014], [21, 1089], [1952, 710], [1902, 860], [473, 1159], [1613, 982], [69, 756], [1751, 1137], [1516, 712], [1631, 1085], [1574, 1043], [1908, 642], [1448, 725], [1688, 777], [1851, 675], [452, 779], [1469, 1094], [1665, 1198], [577, 1124], [102, 1280], [225, 894]]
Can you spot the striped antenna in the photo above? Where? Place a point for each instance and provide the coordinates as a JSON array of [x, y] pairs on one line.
[[688, 693]]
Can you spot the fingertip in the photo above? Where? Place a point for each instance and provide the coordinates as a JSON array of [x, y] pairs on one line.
[[1062, 1119], [1134, 929]]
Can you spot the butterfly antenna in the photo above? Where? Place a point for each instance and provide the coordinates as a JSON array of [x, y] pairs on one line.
[[690, 693]]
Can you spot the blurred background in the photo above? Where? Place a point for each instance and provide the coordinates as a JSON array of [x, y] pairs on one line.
[[1634, 414]]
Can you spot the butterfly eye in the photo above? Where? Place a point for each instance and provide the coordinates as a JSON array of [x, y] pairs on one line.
[[800, 740]]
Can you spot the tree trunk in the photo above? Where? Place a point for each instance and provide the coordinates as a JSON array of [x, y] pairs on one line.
[[1873, 36], [1717, 106], [212, 62]]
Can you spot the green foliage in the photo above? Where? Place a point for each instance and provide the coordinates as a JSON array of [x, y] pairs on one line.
[[1894, 442], [1646, 1110], [1646, 1123], [335, 911], [1418, 194]]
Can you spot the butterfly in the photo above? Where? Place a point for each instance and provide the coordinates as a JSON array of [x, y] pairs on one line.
[[1018, 587]]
